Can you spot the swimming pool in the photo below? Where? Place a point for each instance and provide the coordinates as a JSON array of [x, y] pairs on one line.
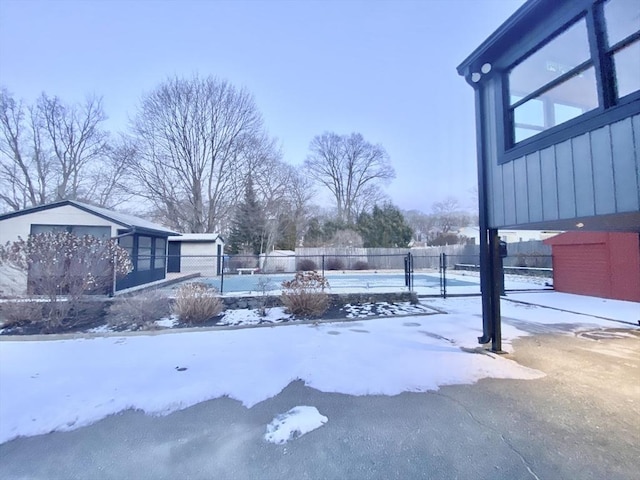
[[337, 281]]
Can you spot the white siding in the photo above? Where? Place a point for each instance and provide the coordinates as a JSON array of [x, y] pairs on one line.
[[20, 226], [199, 257], [13, 282]]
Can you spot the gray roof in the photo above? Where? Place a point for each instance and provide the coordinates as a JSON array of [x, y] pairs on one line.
[[196, 237], [124, 219]]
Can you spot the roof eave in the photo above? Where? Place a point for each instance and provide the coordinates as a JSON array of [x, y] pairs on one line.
[[487, 49]]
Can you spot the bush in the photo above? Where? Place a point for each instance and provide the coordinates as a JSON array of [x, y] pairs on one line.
[[139, 311], [18, 313], [304, 295], [361, 265], [60, 264], [39, 314], [334, 264], [196, 303], [306, 265]]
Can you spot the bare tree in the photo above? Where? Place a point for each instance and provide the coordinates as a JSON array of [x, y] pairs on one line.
[[194, 137], [76, 141], [449, 215], [24, 166], [109, 182], [348, 166], [422, 224], [48, 151]]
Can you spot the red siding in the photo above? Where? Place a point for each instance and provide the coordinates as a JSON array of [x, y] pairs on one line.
[[597, 264]]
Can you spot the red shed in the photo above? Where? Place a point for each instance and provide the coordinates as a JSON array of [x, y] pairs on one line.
[[600, 264]]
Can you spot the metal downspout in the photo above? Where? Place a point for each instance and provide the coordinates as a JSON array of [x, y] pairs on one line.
[[486, 270]]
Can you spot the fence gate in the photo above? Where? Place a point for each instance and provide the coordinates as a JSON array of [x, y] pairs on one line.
[[408, 271], [443, 275]]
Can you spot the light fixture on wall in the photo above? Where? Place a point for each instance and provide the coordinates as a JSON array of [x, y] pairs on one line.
[[476, 76]]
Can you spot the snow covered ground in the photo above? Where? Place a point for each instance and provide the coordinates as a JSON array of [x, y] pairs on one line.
[[65, 384], [293, 424]]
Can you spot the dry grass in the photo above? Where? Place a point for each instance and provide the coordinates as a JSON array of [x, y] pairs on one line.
[[139, 311], [304, 295], [196, 303], [15, 313]]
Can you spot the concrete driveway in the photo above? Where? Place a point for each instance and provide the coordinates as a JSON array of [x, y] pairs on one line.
[[581, 421]]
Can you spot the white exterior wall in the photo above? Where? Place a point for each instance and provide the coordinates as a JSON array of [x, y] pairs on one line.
[[14, 282], [199, 257], [20, 226]]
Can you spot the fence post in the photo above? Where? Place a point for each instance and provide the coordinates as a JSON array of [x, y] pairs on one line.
[[323, 265], [222, 277], [443, 275]]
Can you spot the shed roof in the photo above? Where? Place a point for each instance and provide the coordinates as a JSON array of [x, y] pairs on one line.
[[124, 219], [196, 237]]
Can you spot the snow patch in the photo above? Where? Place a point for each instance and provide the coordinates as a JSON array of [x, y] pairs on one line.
[[293, 424], [246, 316]]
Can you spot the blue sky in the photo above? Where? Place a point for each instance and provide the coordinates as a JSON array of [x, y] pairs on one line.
[[385, 69]]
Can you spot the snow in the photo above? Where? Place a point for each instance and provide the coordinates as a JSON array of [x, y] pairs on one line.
[[293, 424], [167, 322], [49, 385], [244, 316], [600, 307]]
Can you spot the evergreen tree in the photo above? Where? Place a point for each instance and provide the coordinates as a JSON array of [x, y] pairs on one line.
[[384, 227], [248, 227]]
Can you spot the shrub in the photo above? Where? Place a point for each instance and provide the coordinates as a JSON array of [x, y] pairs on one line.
[[18, 313], [306, 265], [304, 295], [139, 311], [196, 303], [361, 265], [60, 264], [334, 264]]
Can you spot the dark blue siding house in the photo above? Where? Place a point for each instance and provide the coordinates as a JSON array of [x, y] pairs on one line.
[[557, 95]]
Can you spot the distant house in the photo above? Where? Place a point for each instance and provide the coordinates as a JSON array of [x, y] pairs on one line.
[[600, 264], [195, 253], [278, 261], [509, 236], [146, 242]]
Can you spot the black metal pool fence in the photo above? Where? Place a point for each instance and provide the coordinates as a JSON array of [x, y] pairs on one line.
[[402, 265]]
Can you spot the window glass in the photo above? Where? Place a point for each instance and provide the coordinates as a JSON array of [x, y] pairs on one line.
[[144, 253], [98, 232], [622, 18], [530, 113], [565, 101], [562, 54], [522, 133], [627, 67], [78, 230], [126, 242], [160, 254], [36, 229]]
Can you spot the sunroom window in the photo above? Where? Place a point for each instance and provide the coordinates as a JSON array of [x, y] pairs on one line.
[[622, 20], [553, 85]]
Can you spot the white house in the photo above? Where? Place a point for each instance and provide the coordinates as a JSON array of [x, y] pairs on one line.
[[196, 253], [145, 241], [510, 236]]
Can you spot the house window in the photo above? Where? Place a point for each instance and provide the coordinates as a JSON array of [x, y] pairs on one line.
[[126, 242], [553, 85], [144, 253], [160, 253], [591, 66], [622, 20], [77, 230]]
